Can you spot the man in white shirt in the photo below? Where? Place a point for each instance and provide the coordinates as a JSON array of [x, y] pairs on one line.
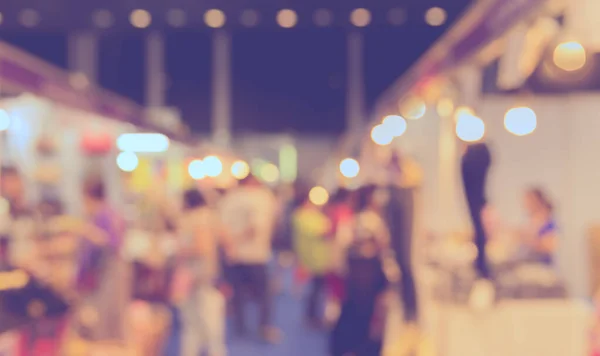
[[248, 214]]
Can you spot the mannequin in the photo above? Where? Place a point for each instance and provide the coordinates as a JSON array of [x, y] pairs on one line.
[[476, 163]]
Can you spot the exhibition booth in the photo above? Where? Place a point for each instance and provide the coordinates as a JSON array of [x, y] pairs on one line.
[[485, 81]]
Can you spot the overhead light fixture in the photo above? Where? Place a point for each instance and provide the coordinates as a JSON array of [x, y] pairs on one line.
[[436, 16], [287, 18], [29, 18], [176, 18], [102, 19], [140, 18], [396, 17], [214, 18], [143, 142], [323, 18], [249, 18], [360, 17]]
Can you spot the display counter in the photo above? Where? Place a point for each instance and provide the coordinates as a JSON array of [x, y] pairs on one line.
[[516, 328]]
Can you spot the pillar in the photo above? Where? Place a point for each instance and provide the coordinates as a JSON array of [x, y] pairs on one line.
[[355, 98], [221, 88], [83, 59], [155, 70], [83, 54]]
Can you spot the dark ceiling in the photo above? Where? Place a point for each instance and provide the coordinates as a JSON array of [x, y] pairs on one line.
[[282, 79], [78, 14]]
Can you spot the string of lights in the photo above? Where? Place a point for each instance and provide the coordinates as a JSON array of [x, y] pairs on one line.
[[104, 19]]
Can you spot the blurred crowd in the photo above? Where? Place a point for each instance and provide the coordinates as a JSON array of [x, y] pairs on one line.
[[167, 278]]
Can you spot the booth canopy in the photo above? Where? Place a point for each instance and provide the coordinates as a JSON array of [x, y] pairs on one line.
[[21, 72]]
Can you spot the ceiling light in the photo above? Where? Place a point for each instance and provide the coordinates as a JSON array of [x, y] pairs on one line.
[[360, 17], [287, 18]]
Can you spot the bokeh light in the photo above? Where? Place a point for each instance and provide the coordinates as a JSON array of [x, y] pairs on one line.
[[414, 108], [214, 18], [396, 17], [143, 142], [103, 18], [323, 18], [196, 169], [249, 18], [445, 107], [470, 128], [436, 16], [127, 161], [395, 124], [360, 17], [349, 167], [318, 196], [287, 18], [463, 111], [269, 173], [570, 56], [212, 166], [381, 136], [240, 169], [29, 18], [520, 121], [176, 18], [140, 18], [4, 120]]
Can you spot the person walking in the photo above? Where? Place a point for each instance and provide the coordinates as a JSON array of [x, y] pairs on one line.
[[248, 213], [201, 305]]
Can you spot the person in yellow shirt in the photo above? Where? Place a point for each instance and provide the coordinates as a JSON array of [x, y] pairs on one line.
[[310, 229]]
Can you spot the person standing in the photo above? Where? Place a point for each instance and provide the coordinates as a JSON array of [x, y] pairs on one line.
[[248, 213], [541, 236], [476, 163], [103, 274], [202, 306], [310, 228]]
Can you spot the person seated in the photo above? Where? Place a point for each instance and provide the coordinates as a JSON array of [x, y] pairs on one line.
[[541, 234]]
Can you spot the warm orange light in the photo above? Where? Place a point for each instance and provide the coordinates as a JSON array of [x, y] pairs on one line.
[[214, 18], [140, 18], [436, 16], [360, 17], [287, 18], [318, 196], [570, 56]]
